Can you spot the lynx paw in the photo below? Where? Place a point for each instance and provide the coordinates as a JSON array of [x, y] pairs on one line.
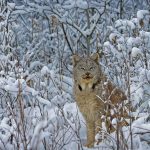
[[89, 145]]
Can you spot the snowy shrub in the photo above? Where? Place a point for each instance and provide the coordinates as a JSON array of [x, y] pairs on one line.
[[127, 57]]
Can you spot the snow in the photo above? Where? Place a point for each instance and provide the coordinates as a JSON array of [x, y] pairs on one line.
[[107, 45], [114, 121], [20, 84], [122, 24], [45, 71], [89, 31], [35, 64], [142, 13], [11, 5], [136, 52], [60, 99], [35, 141], [82, 4], [144, 34], [131, 42], [11, 88], [43, 101], [112, 37], [135, 21]]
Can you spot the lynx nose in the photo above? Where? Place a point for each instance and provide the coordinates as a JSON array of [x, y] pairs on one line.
[[87, 73], [87, 76]]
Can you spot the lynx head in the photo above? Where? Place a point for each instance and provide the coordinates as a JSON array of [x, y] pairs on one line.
[[86, 70]]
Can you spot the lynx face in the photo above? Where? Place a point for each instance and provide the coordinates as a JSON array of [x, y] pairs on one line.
[[86, 70]]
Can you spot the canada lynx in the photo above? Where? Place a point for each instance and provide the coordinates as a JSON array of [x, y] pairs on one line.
[[93, 91]]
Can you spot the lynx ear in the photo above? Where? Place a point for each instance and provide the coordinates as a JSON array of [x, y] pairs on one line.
[[75, 59], [95, 57]]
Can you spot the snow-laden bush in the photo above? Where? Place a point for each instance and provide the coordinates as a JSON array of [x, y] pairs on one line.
[[127, 57]]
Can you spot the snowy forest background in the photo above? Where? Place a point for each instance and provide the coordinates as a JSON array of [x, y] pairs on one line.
[[37, 41]]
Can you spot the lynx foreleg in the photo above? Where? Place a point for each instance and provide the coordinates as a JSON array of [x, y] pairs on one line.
[[90, 134]]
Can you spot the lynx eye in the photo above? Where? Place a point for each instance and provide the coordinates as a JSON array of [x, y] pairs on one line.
[[92, 68], [82, 68]]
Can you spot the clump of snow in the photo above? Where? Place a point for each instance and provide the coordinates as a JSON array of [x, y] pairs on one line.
[[131, 42], [145, 34], [98, 137], [82, 4], [43, 101], [20, 86], [114, 121], [112, 37], [136, 52], [38, 134], [35, 64], [142, 13], [11, 5], [123, 24], [45, 71]]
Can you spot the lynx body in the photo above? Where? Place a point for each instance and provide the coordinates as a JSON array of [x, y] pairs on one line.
[[92, 90]]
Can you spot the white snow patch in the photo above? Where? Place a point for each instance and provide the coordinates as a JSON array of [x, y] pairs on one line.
[[135, 52], [45, 71], [123, 24], [112, 37], [142, 13], [43, 101], [11, 5], [82, 4]]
